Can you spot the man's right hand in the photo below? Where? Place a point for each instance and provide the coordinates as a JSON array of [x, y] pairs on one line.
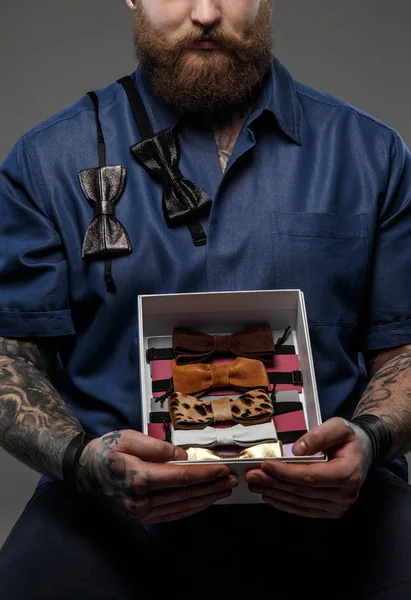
[[128, 469]]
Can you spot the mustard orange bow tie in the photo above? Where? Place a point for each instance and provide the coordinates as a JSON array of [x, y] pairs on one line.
[[189, 412], [242, 374]]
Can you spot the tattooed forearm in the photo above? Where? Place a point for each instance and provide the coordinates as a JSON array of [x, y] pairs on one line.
[[35, 424], [388, 396]]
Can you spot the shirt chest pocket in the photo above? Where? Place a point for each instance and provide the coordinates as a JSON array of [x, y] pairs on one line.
[[324, 255]]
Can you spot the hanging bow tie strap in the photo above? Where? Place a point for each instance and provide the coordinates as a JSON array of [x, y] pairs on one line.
[[183, 201], [283, 338], [103, 187]]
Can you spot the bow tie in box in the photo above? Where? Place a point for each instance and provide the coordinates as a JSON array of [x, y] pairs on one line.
[[241, 374], [239, 435], [189, 412], [235, 370], [192, 346], [251, 412]]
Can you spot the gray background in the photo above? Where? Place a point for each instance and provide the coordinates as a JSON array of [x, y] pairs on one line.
[[52, 52]]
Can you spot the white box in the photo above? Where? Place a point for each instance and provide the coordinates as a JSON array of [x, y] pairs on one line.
[[222, 313]]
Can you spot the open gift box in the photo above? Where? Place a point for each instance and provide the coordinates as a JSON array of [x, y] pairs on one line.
[[219, 313]]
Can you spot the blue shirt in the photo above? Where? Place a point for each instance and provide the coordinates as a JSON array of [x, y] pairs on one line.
[[316, 196]]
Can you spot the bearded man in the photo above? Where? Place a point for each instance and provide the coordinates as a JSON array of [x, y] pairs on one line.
[[279, 186]]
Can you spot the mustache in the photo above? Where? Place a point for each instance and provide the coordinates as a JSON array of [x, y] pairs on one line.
[[220, 35]]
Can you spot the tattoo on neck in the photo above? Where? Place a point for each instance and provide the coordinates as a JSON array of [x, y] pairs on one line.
[[226, 135]]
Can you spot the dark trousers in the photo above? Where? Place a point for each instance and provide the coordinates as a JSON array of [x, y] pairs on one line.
[[67, 547]]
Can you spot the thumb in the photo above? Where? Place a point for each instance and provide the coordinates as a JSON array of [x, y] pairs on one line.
[[334, 432], [149, 449]]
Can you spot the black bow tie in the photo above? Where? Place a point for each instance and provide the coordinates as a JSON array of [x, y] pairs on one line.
[[105, 236], [184, 203], [183, 200]]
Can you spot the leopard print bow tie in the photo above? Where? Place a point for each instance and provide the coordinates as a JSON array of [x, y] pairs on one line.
[[189, 412]]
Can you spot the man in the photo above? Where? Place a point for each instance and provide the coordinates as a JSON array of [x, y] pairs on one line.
[[307, 192]]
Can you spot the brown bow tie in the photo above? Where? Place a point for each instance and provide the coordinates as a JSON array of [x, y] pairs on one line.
[[189, 412], [192, 346], [242, 374]]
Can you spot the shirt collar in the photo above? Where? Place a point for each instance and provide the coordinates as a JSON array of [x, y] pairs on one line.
[[278, 97]]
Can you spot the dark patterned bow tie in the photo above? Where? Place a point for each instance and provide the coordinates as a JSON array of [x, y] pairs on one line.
[[105, 236], [184, 203], [183, 200], [191, 346]]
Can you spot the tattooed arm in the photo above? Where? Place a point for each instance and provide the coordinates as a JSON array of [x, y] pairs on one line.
[[388, 394], [327, 490], [36, 427], [35, 424]]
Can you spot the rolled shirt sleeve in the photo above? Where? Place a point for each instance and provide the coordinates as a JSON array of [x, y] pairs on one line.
[[34, 288], [387, 314]]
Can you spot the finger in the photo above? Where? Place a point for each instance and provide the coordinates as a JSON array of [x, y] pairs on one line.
[[168, 512], [149, 448], [333, 494], [330, 474], [334, 432], [311, 513], [150, 477], [324, 504], [192, 491]]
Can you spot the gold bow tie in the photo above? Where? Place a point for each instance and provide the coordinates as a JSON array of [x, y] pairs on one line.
[[189, 412], [261, 451], [241, 374]]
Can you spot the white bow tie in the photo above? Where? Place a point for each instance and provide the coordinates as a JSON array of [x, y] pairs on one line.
[[239, 435]]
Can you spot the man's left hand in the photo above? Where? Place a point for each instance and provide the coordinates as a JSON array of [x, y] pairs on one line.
[[318, 490]]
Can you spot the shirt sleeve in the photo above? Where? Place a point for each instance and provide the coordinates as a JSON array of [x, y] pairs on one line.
[[34, 289], [388, 308]]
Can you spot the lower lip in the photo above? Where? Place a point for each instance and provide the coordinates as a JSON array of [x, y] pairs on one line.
[[205, 45]]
